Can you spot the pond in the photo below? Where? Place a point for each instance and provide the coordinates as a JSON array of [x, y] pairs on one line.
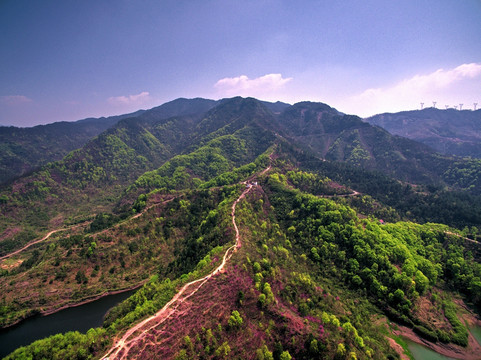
[[80, 318], [421, 352], [476, 331]]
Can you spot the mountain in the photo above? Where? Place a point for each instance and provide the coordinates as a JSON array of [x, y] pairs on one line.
[[23, 150], [91, 180], [346, 138], [255, 230], [310, 277], [26, 149], [450, 131]]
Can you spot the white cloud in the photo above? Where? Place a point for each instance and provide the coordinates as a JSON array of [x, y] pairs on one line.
[[137, 99], [14, 100], [447, 87], [259, 87]]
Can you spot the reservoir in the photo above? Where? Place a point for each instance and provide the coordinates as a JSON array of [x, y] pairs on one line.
[[80, 318], [421, 352], [476, 332]]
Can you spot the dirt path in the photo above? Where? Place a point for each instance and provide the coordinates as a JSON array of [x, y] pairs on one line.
[[35, 242], [75, 226], [123, 346], [354, 193], [150, 207], [462, 237]]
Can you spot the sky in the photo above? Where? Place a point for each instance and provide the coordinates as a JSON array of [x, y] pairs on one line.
[[68, 60]]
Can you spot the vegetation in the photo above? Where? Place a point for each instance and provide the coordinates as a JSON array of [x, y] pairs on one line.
[[318, 275]]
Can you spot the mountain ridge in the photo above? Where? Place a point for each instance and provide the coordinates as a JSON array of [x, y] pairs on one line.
[[450, 131]]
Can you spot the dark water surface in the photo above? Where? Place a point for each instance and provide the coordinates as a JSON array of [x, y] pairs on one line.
[[80, 318]]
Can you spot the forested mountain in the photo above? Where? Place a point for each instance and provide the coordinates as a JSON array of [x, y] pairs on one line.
[[23, 150], [258, 226], [346, 138], [92, 179], [450, 131]]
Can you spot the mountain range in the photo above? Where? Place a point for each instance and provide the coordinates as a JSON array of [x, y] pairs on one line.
[[26, 149], [267, 214], [450, 131]]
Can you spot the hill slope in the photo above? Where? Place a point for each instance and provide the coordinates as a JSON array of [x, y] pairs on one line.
[[247, 244], [26, 149], [347, 138]]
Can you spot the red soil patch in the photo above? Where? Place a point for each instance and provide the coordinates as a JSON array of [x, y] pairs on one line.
[[431, 315], [398, 348]]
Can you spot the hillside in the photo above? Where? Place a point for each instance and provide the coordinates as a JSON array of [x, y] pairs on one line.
[[207, 138], [254, 230], [449, 132], [346, 138]]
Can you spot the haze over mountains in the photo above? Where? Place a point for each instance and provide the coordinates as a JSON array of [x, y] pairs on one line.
[[148, 198]]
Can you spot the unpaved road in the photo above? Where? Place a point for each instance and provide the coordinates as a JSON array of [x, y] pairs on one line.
[[121, 349], [33, 243], [75, 226]]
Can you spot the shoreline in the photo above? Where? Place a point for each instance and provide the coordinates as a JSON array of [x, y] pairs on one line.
[[471, 352], [72, 305]]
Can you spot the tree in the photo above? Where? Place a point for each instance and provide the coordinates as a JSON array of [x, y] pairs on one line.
[[223, 350], [235, 320], [341, 350], [264, 354], [422, 282]]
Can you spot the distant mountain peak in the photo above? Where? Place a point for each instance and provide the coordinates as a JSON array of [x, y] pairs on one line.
[[451, 131]]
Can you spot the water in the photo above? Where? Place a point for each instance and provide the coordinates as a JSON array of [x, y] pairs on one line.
[[421, 352], [476, 331], [80, 318]]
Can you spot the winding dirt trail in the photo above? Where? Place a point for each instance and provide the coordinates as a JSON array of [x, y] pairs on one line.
[[75, 226], [463, 237], [123, 346], [354, 193], [35, 242]]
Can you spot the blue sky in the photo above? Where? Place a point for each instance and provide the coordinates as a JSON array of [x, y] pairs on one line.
[[67, 60]]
